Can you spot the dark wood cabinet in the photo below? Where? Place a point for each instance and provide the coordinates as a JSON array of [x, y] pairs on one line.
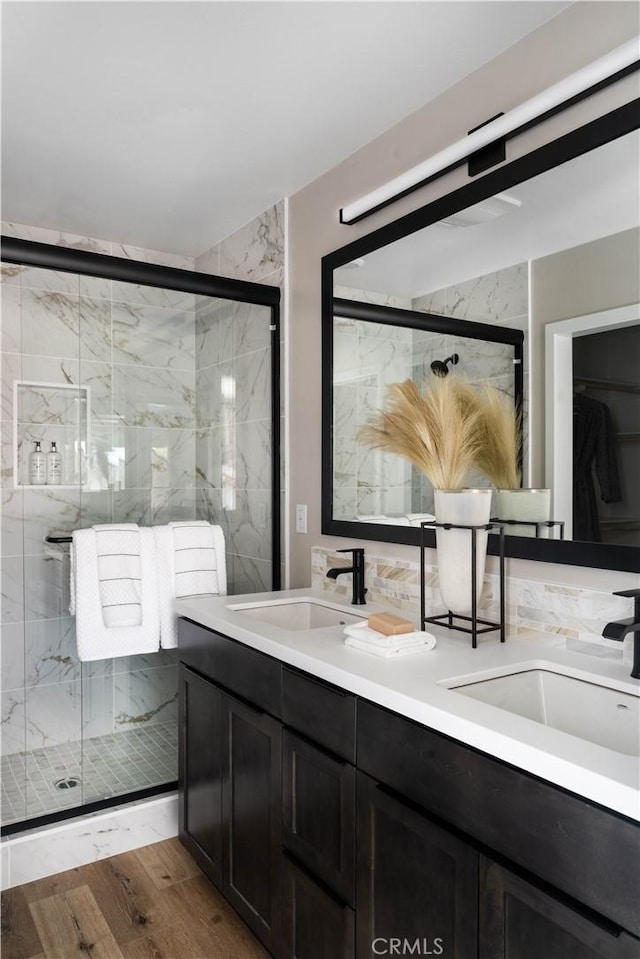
[[520, 921], [251, 813], [417, 883], [249, 674], [316, 923], [321, 712], [318, 811], [200, 795], [590, 854], [335, 826], [230, 799]]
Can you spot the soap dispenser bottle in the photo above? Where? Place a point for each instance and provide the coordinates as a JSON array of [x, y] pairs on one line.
[[37, 466], [54, 466]]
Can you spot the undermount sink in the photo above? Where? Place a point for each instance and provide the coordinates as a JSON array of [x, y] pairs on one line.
[[298, 615], [593, 711]]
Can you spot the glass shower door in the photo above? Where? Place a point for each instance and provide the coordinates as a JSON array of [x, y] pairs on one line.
[[160, 402]]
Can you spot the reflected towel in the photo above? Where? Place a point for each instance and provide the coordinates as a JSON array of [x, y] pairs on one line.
[[191, 562], [415, 519], [385, 520]]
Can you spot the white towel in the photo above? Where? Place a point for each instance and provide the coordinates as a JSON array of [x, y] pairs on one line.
[[191, 562], [109, 621], [360, 636], [119, 574], [415, 519]]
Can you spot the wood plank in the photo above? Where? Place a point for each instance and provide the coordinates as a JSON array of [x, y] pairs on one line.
[[168, 943], [129, 899], [193, 939], [186, 919], [70, 923], [201, 909], [167, 862], [52, 885], [20, 938]]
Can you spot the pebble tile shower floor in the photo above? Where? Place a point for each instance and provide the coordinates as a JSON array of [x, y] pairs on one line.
[[104, 765]]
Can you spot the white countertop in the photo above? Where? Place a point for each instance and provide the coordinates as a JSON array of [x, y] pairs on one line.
[[413, 686]]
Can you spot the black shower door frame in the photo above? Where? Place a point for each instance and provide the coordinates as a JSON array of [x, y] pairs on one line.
[[86, 263]]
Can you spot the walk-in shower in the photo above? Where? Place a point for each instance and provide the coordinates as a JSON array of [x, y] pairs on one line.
[[160, 389]]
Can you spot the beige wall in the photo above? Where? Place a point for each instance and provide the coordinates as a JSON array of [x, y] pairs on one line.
[[579, 35], [597, 276]]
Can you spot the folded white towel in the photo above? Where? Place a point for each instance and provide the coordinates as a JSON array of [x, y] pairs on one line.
[[105, 605], [387, 652], [119, 576], [360, 636], [191, 562], [363, 632]]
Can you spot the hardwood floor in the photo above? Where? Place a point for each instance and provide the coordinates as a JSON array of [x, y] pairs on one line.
[[153, 903]]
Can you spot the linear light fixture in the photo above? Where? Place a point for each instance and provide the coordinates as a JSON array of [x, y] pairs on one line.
[[506, 124]]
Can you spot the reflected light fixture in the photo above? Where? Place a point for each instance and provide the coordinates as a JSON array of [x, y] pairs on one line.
[[625, 58]]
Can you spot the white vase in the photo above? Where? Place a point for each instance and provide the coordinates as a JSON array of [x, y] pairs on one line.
[[465, 507], [526, 505]]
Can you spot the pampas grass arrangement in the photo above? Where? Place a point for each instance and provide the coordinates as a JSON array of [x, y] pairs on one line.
[[438, 430], [501, 425], [447, 429]]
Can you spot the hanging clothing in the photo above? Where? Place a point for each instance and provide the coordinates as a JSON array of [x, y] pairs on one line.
[[593, 447]]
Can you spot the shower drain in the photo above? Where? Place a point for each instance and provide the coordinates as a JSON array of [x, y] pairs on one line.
[[70, 782]]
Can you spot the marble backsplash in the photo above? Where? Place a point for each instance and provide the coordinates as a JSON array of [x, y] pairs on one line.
[[532, 607]]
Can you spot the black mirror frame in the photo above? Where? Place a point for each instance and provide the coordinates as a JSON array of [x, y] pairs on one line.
[[619, 122]]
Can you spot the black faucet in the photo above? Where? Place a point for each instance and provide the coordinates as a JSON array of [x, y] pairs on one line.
[[358, 574], [622, 627]]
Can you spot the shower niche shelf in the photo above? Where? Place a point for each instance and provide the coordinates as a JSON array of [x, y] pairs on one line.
[[51, 412]]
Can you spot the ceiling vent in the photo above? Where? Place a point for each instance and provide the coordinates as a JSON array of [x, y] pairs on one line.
[[482, 212]]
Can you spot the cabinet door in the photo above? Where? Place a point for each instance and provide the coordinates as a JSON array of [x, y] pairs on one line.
[[318, 812], [315, 924], [519, 921], [251, 809], [200, 776], [417, 883]]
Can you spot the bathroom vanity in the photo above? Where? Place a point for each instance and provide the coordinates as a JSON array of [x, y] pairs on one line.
[[351, 806]]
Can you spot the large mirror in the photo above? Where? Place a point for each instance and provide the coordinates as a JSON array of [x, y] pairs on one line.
[[527, 279]]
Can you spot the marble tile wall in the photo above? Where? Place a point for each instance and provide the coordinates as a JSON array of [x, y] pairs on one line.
[[132, 349], [234, 448], [501, 299], [158, 446], [366, 357], [369, 296], [370, 482], [575, 615]]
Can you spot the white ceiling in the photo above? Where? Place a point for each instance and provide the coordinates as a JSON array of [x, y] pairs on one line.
[[168, 125]]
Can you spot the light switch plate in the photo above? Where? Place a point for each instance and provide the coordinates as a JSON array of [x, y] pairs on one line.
[[301, 518]]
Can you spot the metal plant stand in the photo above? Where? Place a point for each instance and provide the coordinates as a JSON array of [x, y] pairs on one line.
[[449, 619], [538, 526]]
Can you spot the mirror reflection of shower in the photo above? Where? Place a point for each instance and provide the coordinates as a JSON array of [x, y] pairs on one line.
[[441, 367]]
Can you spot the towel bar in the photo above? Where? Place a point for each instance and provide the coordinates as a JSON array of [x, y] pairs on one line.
[[57, 538]]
